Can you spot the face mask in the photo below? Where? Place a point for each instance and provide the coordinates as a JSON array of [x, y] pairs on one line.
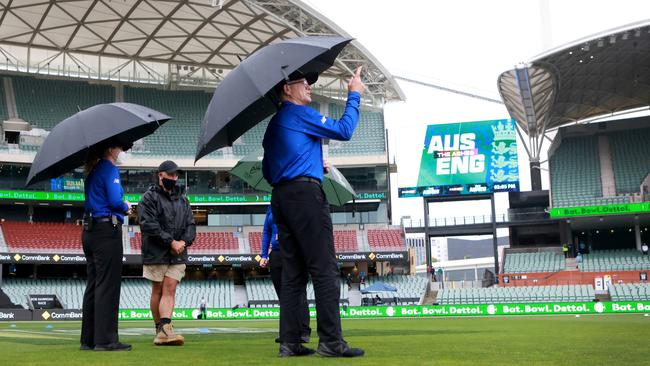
[[168, 184]]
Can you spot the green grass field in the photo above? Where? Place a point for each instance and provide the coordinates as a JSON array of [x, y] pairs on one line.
[[543, 340]]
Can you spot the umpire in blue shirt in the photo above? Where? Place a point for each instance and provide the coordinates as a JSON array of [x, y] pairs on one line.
[[102, 245], [293, 164], [274, 259]]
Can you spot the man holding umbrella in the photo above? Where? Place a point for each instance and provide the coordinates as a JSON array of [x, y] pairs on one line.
[[293, 165], [274, 259]]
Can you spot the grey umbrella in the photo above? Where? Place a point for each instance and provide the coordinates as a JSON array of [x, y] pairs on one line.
[[67, 145], [246, 95], [338, 190]]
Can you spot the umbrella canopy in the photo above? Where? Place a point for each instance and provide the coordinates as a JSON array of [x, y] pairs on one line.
[[338, 190], [67, 145], [378, 287], [246, 95]]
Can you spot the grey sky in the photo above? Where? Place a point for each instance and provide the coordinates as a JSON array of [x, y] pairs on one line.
[[463, 45]]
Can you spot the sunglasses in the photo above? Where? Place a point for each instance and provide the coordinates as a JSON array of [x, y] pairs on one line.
[[301, 81]]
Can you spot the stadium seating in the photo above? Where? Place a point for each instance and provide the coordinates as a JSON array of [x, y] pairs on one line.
[[575, 173], [23, 236], [215, 241], [178, 136], [614, 260], [69, 291], [135, 293], [206, 242], [255, 241], [630, 292], [410, 289], [261, 293], [218, 293], [534, 262], [58, 99], [511, 294], [136, 241], [630, 150], [45, 102], [345, 241], [386, 239], [368, 137], [66, 238]]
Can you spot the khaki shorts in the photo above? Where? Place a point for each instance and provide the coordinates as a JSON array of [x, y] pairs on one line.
[[157, 272]]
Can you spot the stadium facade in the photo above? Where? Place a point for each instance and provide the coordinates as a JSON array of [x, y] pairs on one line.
[[169, 56], [63, 56]]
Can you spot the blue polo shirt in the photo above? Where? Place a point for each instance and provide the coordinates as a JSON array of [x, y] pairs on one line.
[[269, 234], [292, 142], [104, 192]]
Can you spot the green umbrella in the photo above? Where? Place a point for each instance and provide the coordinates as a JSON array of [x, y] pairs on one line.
[[337, 189]]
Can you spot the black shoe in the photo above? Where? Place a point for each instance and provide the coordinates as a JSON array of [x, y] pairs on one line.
[[113, 347], [86, 347], [294, 349], [338, 349], [303, 339]]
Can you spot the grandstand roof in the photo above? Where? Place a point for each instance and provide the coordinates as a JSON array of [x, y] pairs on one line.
[[594, 76], [207, 36]]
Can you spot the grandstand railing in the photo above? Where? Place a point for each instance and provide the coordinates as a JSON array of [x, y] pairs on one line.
[[475, 220]]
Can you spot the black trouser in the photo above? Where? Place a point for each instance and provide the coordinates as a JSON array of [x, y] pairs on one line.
[[306, 236], [275, 261], [103, 249]]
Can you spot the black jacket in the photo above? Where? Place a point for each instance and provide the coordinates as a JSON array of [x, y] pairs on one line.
[[165, 217]]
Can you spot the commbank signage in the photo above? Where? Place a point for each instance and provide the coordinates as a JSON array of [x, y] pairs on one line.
[[218, 259], [54, 258], [372, 256]]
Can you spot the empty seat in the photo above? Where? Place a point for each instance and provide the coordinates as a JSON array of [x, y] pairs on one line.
[[386, 239]]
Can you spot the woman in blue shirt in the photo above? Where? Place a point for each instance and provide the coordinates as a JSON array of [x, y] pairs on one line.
[[102, 245], [270, 239]]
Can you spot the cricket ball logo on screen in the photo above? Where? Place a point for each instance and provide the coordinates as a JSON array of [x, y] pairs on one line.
[[469, 158]]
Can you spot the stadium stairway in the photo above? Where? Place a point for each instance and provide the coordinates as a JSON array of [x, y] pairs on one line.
[[354, 295], [244, 246], [362, 239], [606, 167], [3, 243], [241, 298], [571, 264]]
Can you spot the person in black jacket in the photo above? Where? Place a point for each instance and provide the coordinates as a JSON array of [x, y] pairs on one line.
[[168, 228]]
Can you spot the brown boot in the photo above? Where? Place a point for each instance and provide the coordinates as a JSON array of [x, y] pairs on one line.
[[167, 337]]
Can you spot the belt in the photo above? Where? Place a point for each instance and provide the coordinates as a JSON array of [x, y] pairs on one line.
[[104, 219], [300, 179]]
